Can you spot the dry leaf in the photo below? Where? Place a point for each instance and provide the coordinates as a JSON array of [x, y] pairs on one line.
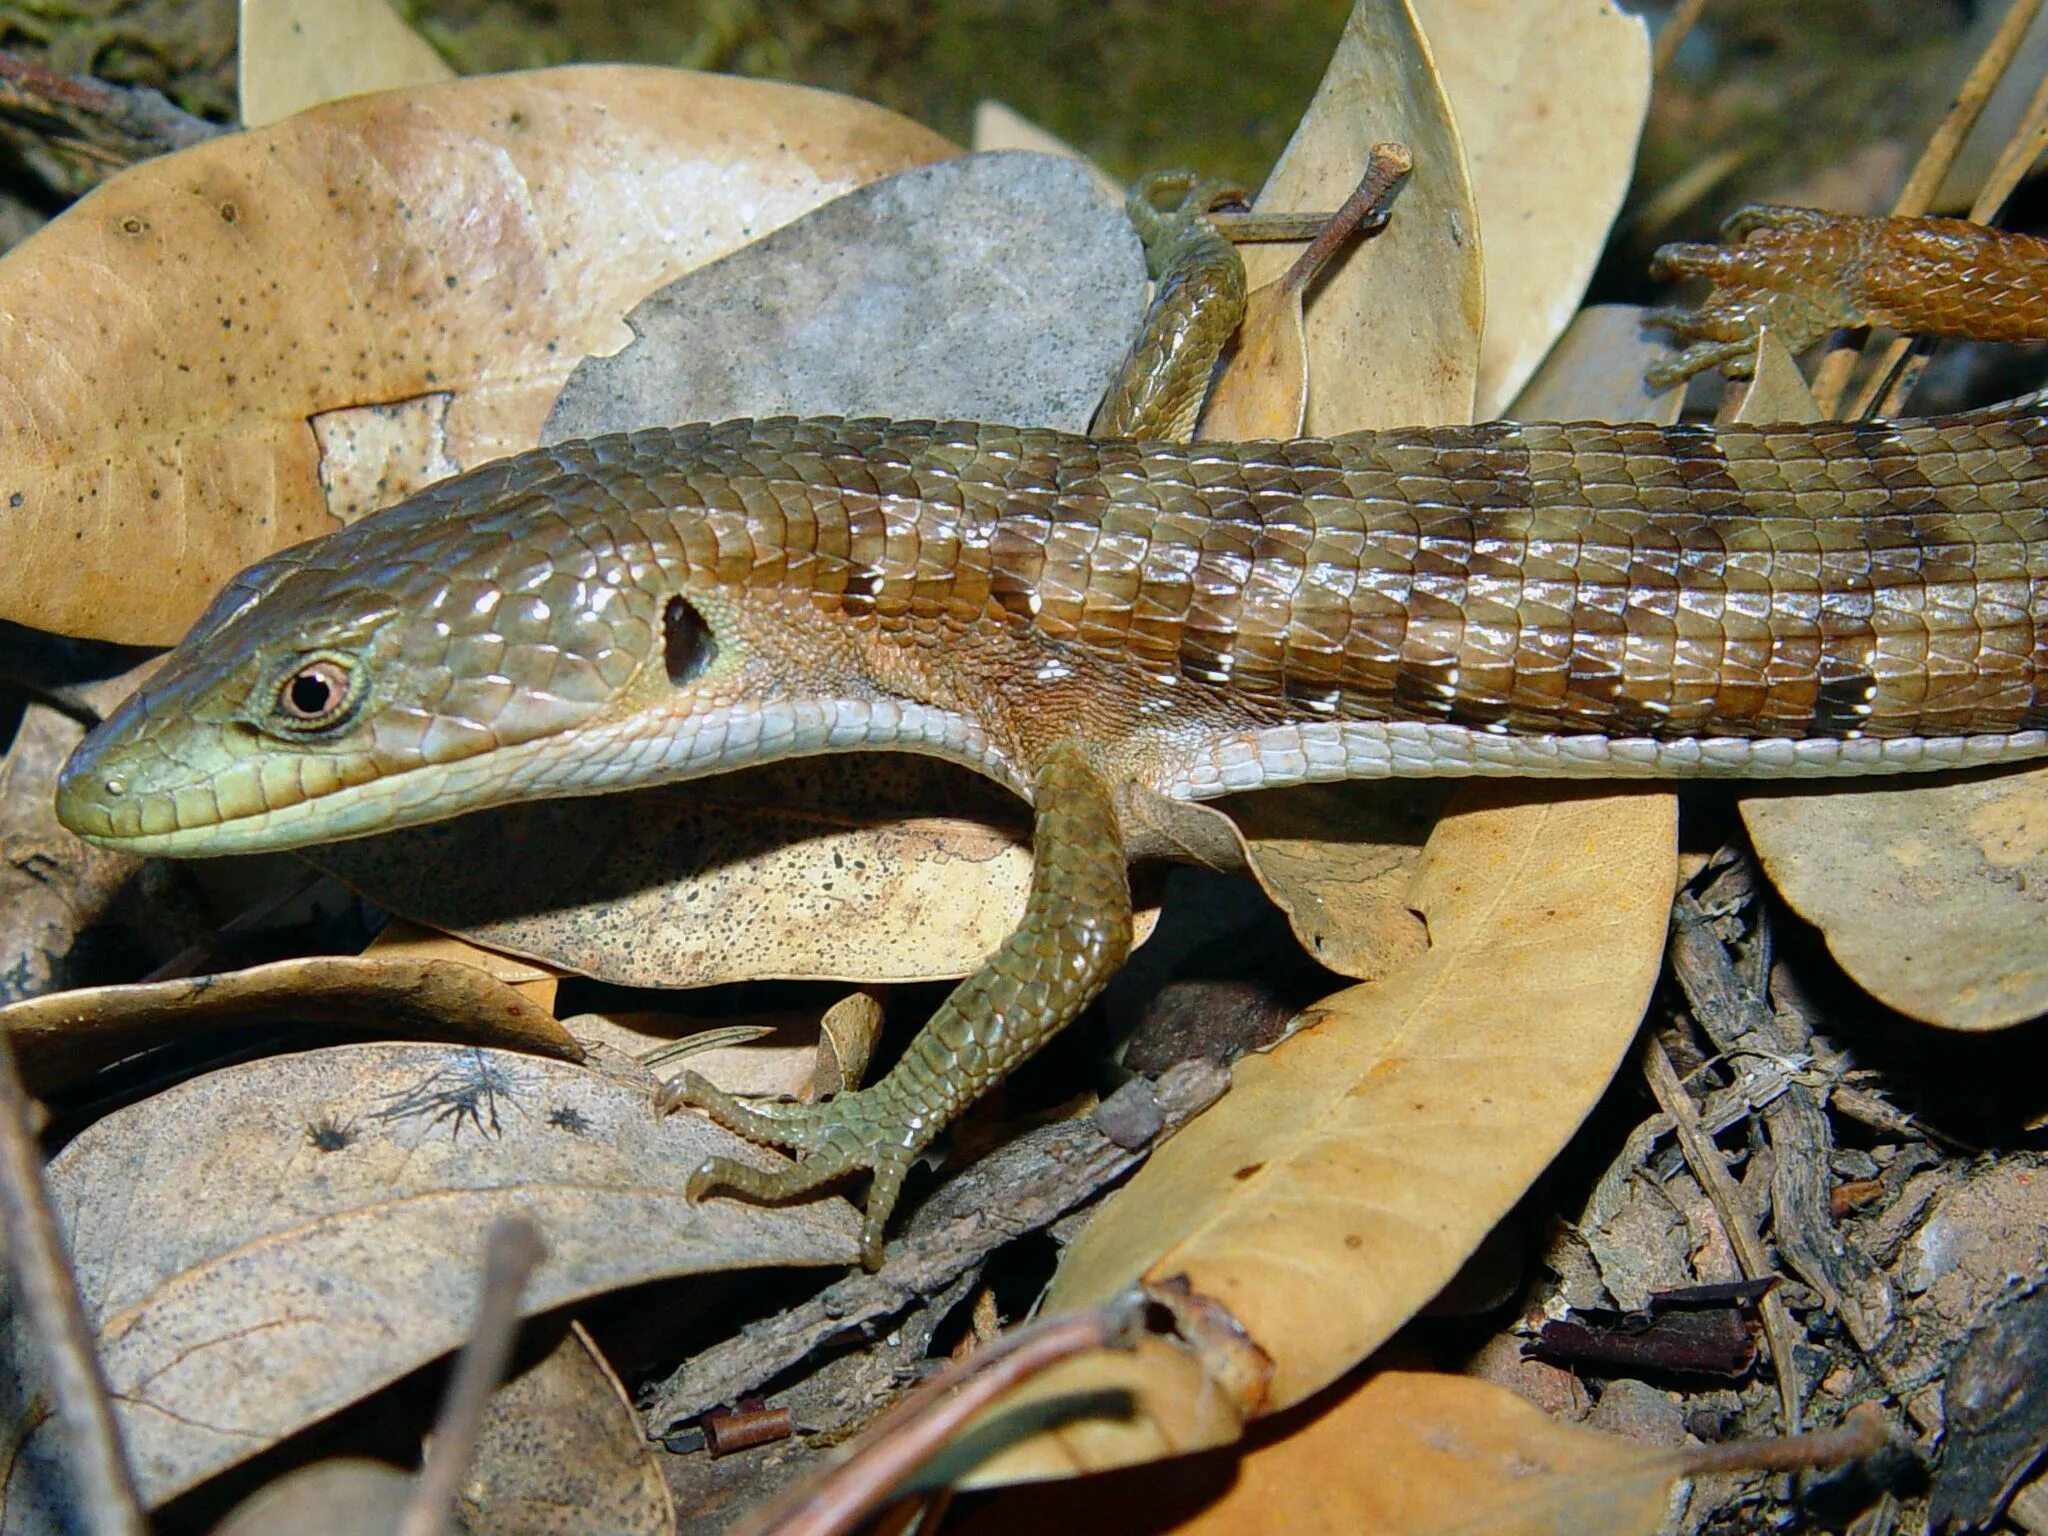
[[1399, 1454], [986, 288], [1595, 373], [856, 867], [1351, 1170], [264, 1245], [1549, 98], [1934, 896], [295, 54], [562, 1454], [64, 1036], [174, 340], [1339, 859], [1777, 389], [1264, 391], [1393, 332]]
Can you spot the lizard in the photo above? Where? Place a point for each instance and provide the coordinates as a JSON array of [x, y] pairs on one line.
[[1091, 620]]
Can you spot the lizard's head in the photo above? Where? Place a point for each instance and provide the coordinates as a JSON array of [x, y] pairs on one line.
[[478, 644]]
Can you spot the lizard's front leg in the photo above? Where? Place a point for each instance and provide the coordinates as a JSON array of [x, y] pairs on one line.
[[1075, 933]]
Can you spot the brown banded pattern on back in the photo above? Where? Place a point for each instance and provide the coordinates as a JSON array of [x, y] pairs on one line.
[[1793, 581]]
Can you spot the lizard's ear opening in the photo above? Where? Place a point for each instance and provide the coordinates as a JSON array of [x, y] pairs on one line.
[[688, 646]]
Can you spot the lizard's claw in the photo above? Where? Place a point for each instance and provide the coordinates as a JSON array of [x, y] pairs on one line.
[[1792, 271], [832, 1140]]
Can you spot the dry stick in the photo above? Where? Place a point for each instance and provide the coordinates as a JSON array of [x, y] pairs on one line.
[[1683, 16], [1705, 1162], [1905, 359], [899, 1442], [1370, 204], [512, 1251], [1832, 377], [1861, 1434], [100, 1477]]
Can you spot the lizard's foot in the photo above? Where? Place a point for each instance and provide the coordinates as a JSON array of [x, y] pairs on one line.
[[1793, 271], [833, 1140]]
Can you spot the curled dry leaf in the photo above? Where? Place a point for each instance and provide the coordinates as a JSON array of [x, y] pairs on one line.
[[860, 868], [64, 1036], [1400, 1454], [264, 1245], [1393, 332], [174, 339], [1549, 98], [1339, 859], [295, 54], [562, 1451], [1351, 1170]]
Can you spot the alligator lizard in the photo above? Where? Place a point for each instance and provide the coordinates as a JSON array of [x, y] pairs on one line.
[[1080, 617]]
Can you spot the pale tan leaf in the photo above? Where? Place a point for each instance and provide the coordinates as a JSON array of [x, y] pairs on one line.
[[1399, 1454], [998, 125], [402, 940], [1595, 373], [340, 1496], [1933, 896], [1350, 1171], [295, 54], [1339, 860], [1393, 332], [63, 1036], [1777, 390], [170, 339], [1549, 98], [1264, 391], [851, 868], [562, 1453], [259, 1247]]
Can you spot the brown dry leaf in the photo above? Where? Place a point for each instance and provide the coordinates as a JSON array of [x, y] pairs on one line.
[[1400, 1454], [174, 341], [1595, 372], [64, 1036], [1777, 390], [1549, 98], [1264, 391], [857, 868], [53, 886], [1393, 332], [400, 939], [295, 54], [562, 1452], [1351, 1170], [264, 1245], [1339, 859], [340, 1496], [1931, 895], [1934, 896]]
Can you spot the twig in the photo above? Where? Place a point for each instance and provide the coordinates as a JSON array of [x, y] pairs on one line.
[[1386, 172], [897, 1443], [1681, 21], [1705, 1161], [1026, 1184], [101, 1482], [512, 1251]]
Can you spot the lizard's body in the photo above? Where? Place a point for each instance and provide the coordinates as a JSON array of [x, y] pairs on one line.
[[1075, 616]]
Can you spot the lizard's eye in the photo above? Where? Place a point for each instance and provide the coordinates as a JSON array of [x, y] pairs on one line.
[[320, 692]]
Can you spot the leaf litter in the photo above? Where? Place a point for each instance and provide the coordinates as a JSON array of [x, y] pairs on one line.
[[1221, 1375]]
